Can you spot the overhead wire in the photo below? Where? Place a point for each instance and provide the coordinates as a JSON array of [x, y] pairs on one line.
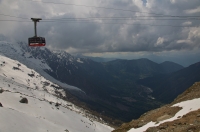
[[88, 19], [104, 18], [113, 18], [14, 21], [109, 8], [101, 23], [117, 23], [13, 16]]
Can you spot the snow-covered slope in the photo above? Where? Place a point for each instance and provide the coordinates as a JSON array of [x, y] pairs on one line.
[[45, 111], [25, 55]]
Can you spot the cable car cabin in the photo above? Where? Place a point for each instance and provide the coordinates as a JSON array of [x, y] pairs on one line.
[[36, 41]]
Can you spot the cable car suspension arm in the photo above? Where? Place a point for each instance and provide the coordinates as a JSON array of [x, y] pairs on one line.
[[35, 20]]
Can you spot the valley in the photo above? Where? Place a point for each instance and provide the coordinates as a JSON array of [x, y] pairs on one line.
[[110, 88], [116, 91]]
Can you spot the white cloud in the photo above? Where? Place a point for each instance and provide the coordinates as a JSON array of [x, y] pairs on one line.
[[187, 23], [173, 1], [192, 11], [183, 41], [138, 3], [194, 33], [160, 41]]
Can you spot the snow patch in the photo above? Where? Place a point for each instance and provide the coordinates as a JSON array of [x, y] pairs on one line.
[[78, 60], [187, 106]]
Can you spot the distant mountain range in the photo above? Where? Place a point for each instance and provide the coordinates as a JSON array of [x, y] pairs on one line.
[[98, 59], [140, 68], [170, 67], [167, 87], [120, 89]]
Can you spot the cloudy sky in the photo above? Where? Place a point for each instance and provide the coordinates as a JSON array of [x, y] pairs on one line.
[[156, 29]]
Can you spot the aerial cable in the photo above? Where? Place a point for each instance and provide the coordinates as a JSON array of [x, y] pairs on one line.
[[13, 16], [98, 23], [14, 21], [102, 18], [109, 18], [126, 18], [134, 17], [50, 21], [109, 8], [118, 23], [88, 18]]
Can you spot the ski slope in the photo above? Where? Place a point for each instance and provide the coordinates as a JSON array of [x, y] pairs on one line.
[[40, 114]]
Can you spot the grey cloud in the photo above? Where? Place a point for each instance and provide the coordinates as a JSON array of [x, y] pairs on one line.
[[99, 36]]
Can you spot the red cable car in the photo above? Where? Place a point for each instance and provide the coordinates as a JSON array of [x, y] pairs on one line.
[[36, 41]]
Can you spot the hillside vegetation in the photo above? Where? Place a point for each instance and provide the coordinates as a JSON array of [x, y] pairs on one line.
[[182, 115]]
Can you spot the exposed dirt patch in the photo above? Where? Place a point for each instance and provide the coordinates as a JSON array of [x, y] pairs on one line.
[[164, 117], [153, 115], [188, 123]]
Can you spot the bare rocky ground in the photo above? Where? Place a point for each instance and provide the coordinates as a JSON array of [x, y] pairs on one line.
[[187, 123]]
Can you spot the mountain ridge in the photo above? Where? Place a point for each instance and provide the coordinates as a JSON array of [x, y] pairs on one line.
[[167, 87], [143, 67], [115, 91], [170, 67]]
